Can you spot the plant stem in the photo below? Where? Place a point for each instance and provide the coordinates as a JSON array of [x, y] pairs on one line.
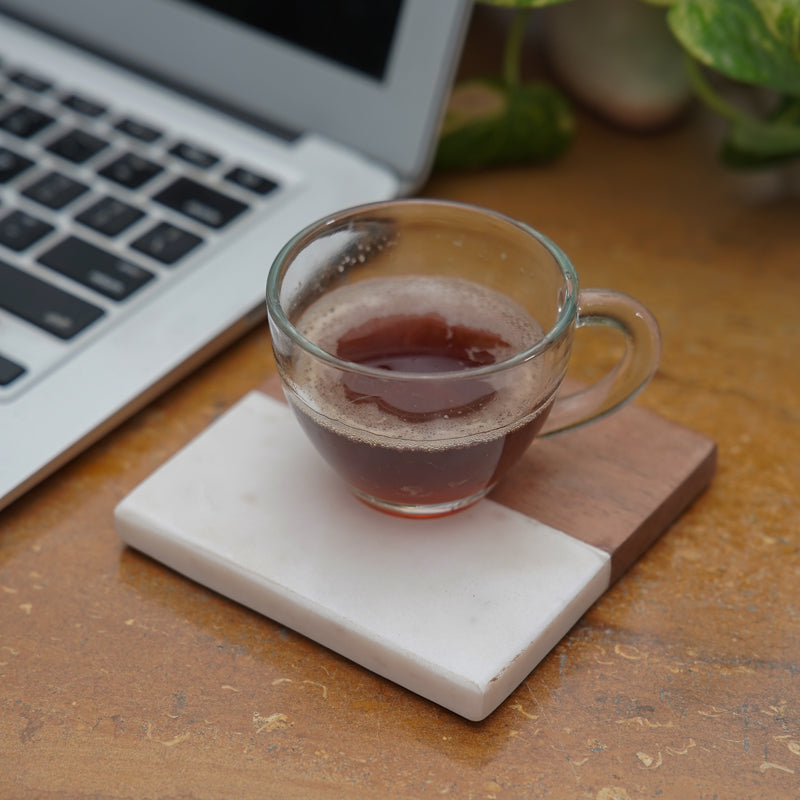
[[512, 52], [702, 88], [762, 137]]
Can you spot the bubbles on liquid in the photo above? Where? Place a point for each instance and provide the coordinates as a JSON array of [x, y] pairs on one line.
[[461, 302]]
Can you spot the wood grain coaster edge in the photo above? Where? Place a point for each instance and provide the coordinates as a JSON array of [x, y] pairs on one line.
[[616, 484]]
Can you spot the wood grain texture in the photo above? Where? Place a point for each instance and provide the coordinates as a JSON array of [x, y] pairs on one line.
[[616, 484], [120, 679]]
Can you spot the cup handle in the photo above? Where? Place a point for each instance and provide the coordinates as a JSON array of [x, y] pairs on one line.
[[628, 377]]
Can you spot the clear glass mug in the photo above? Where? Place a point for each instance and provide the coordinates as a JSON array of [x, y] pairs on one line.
[[421, 345]]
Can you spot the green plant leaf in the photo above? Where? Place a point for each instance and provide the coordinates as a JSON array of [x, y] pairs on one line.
[[782, 18], [754, 41], [489, 123]]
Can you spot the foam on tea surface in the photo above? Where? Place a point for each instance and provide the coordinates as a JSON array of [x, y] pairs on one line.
[[440, 325]]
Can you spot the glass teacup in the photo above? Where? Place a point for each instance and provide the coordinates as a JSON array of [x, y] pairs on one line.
[[421, 345]]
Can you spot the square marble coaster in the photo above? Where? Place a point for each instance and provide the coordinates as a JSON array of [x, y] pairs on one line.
[[458, 609]]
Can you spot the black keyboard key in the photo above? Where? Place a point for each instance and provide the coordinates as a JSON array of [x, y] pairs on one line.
[[166, 243], [19, 230], [24, 121], [200, 202], [104, 272], [77, 146], [43, 305], [9, 371], [12, 164], [251, 181], [55, 190], [194, 155], [110, 216], [33, 83], [130, 170], [81, 104], [138, 130]]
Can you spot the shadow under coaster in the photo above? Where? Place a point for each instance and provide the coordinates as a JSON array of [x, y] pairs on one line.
[[458, 609]]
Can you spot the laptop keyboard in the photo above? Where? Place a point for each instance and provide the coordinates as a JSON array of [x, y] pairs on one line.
[[98, 208]]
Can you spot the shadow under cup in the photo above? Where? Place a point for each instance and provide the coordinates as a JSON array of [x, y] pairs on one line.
[[421, 344]]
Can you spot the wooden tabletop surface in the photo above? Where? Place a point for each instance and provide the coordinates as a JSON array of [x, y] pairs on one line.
[[121, 679]]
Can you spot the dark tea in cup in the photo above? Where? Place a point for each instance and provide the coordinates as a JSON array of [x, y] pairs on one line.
[[419, 442]]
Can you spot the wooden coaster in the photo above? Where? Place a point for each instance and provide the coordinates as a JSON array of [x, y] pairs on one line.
[[616, 484]]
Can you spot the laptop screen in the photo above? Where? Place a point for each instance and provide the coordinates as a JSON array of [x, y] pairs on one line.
[[353, 33]]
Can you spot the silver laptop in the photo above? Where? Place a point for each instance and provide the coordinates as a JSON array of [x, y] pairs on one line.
[[154, 157]]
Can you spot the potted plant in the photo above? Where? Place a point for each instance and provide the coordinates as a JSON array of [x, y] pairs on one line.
[[739, 57]]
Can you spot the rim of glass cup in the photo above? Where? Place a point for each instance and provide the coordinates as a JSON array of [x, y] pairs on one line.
[[566, 314]]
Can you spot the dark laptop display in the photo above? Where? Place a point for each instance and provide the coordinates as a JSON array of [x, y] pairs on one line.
[[354, 33]]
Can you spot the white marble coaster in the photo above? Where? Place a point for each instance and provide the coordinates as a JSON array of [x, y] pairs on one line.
[[458, 609]]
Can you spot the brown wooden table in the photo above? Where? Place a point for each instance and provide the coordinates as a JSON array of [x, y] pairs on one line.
[[119, 678]]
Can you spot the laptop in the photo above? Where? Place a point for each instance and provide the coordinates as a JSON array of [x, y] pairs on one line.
[[154, 157]]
